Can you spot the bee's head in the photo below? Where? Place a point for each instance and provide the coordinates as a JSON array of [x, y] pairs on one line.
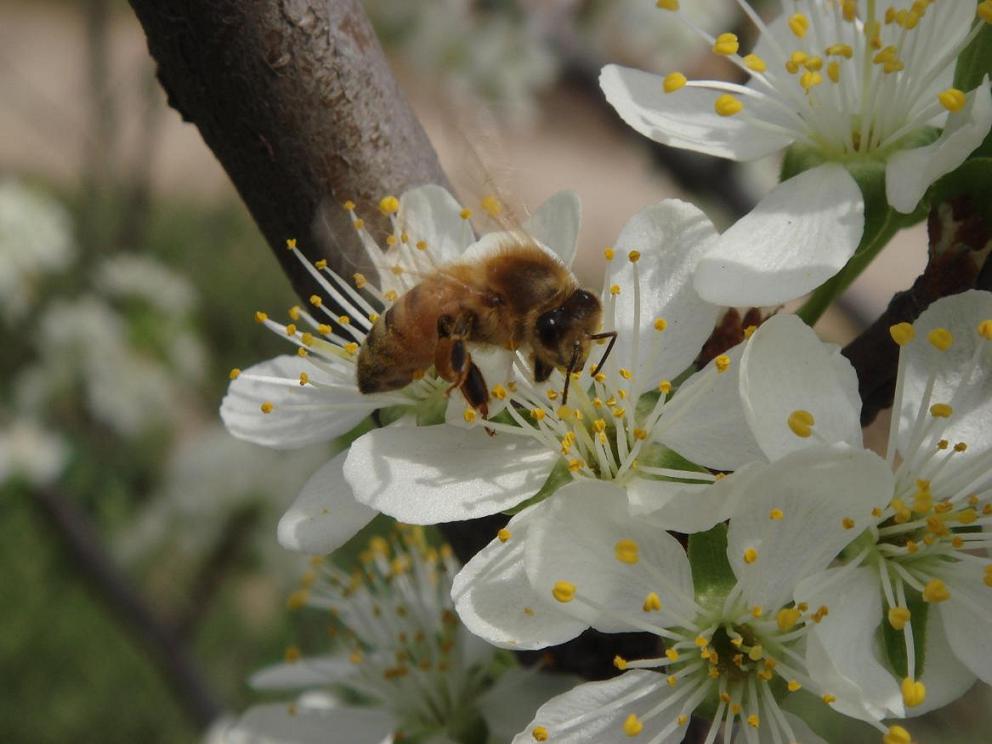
[[562, 335]]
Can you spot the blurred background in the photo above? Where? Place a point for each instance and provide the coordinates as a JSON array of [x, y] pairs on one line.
[[129, 274]]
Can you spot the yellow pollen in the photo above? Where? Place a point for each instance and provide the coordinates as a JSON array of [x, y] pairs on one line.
[[776, 514], [660, 324], [632, 726], [671, 680], [349, 206], [727, 105], [952, 99], [358, 224], [539, 733], [985, 327], [608, 253], [234, 374], [753, 721], [801, 423], [987, 575], [941, 410], [492, 206], [552, 394], [726, 44], [961, 447], [261, 317], [833, 72], [985, 11], [620, 663], [537, 414], [668, 4], [799, 25], [499, 392], [796, 60], [267, 407], [640, 434], [392, 240], [757, 612], [297, 599], [722, 363], [504, 535], [294, 312], [626, 551], [701, 642], [841, 50], [324, 329], [755, 63], [652, 603], [674, 81], [847, 523], [936, 591], [940, 338], [810, 80], [304, 378], [396, 270], [360, 280], [682, 719], [735, 709], [563, 591], [469, 415], [315, 300], [614, 289], [794, 685], [897, 735], [672, 654], [625, 373], [664, 387], [914, 692], [618, 412], [828, 698], [351, 347], [301, 352], [634, 256], [389, 205], [321, 264], [750, 555], [465, 214], [787, 618], [421, 245]]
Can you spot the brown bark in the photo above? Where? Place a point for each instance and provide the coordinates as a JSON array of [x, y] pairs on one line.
[[296, 100]]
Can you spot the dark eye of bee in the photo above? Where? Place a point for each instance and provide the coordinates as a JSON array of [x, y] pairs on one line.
[[550, 327], [581, 303]]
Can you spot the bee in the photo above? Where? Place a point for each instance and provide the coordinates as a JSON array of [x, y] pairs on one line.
[[516, 297]]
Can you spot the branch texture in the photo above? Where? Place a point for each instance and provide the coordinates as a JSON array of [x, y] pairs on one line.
[[296, 100]]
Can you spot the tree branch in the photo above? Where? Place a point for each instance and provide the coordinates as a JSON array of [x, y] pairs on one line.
[[296, 100], [83, 546]]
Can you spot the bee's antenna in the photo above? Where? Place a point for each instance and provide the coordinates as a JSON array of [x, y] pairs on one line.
[[572, 363], [612, 335]]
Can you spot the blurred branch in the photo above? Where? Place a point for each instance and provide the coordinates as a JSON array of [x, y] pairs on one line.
[[959, 260], [297, 102], [227, 550], [84, 549]]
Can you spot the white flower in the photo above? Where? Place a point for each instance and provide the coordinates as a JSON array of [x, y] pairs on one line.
[[29, 451], [128, 276], [291, 401], [849, 88], [920, 559], [727, 633], [35, 238], [417, 672]]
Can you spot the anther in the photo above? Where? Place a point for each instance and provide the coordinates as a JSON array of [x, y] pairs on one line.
[[936, 591], [776, 514], [465, 214], [660, 324], [504, 535], [750, 556], [627, 551], [668, 4], [799, 25], [267, 407], [304, 378], [941, 410], [261, 317], [897, 735], [321, 264], [952, 99], [389, 205], [794, 685], [234, 374], [726, 44], [727, 105], [291, 244], [722, 363], [539, 733], [632, 726], [985, 327], [755, 63], [634, 256], [563, 591], [914, 692], [652, 603], [469, 415], [940, 338], [608, 253], [674, 81], [801, 423]]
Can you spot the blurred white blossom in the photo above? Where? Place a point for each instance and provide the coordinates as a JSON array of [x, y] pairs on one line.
[[30, 452]]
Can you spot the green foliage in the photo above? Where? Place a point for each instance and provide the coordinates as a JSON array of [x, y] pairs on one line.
[[712, 575], [895, 643]]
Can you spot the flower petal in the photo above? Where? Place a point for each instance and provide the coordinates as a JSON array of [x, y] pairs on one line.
[[556, 224], [909, 173], [494, 598], [815, 489], [670, 237], [966, 617], [705, 421], [970, 397], [432, 474], [276, 724], [687, 118], [949, 673], [496, 366], [431, 214], [325, 515], [799, 235], [785, 368], [577, 541], [301, 414], [594, 713], [844, 657], [688, 508], [314, 671]]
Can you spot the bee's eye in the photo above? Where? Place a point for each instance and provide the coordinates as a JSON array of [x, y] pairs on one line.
[[582, 302], [550, 328]]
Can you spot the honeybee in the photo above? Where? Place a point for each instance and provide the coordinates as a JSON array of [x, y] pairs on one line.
[[515, 297]]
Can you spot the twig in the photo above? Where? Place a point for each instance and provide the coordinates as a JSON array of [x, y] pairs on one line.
[[112, 588]]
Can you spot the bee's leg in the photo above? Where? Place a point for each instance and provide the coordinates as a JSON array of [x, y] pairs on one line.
[[451, 357], [474, 389]]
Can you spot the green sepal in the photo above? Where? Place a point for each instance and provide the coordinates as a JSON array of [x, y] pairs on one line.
[[712, 576], [558, 477], [895, 644]]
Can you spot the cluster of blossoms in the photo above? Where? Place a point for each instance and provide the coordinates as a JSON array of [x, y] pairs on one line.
[[402, 666], [810, 564]]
